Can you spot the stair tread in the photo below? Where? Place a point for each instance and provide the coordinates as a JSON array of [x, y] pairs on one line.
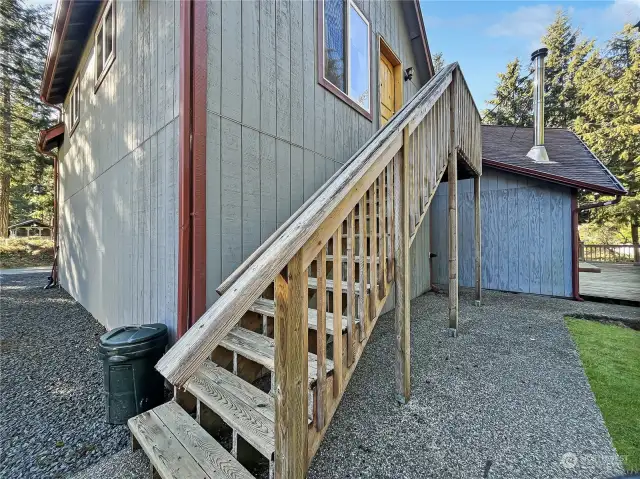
[[244, 407], [268, 308], [247, 409], [313, 284], [178, 447], [261, 349], [355, 259]]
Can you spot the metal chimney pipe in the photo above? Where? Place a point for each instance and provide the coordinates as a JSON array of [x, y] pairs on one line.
[[538, 152]]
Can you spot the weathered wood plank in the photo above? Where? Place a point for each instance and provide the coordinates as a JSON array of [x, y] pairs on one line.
[[363, 312], [267, 307], [244, 408], [478, 237], [321, 339], [453, 212], [373, 250], [337, 312], [402, 274], [291, 370], [210, 456], [350, 288]]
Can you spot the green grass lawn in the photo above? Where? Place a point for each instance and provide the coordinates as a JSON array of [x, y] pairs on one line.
[[25, 252], [611, 358]]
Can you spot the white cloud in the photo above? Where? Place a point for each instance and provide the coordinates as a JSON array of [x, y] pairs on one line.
[[624, 11], [527, 22]]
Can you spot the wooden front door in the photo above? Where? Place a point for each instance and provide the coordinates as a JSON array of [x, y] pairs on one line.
[[387, 90]]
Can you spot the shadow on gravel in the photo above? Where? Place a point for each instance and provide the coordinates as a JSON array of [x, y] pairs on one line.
[[51, 405]]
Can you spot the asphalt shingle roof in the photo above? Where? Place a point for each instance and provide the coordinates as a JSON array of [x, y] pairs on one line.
[[574, 164]]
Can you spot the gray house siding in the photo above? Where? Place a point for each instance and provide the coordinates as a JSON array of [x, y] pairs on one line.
[[274, 135], [526, 234], [118, 174]]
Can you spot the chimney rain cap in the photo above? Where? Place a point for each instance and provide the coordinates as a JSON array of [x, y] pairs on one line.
[[539, 52]]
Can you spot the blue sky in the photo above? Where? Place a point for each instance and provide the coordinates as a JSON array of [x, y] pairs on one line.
[[483, 35]]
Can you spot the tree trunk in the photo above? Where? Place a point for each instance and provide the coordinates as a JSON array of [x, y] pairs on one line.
[[5, 180]]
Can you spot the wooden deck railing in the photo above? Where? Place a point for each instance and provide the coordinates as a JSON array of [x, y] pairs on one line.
[[606, 253], [353, 237]]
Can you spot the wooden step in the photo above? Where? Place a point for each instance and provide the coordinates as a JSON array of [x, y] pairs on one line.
[[178, 447], [261, 349], [245, 408], [313, 284], [356, 259], [268, 308], [357, 235]]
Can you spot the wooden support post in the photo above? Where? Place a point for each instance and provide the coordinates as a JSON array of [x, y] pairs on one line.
[[478, 219], [402, 273], [337, 312], [636, 243], [291, 337], [452, 176], [321, 338]]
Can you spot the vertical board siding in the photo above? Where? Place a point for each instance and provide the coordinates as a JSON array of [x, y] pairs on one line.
[[118, 175], [274, 134], [526, 235]]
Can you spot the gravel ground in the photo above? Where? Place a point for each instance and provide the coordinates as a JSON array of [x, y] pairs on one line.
[[51, 405], [508, 398]]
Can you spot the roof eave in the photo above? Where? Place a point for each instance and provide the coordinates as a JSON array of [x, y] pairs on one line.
[[58, 28], [423, 35], [50, 138], [552, 178], [418, 39]]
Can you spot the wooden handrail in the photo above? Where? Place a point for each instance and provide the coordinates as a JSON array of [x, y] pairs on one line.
[[226, 284], [304, 232]]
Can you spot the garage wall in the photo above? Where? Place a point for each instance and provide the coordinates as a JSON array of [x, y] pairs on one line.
[[526, 234]]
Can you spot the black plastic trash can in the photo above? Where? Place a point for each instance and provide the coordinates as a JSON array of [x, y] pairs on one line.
[[131, 384]]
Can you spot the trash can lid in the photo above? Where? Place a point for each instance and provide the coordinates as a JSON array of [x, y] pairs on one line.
[[128, 335]]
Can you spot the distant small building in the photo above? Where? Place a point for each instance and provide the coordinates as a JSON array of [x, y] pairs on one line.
[[29, 228]]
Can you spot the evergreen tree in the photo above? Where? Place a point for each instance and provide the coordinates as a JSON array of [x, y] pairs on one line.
[[609, 118], [567, 53], [23, 47], [438, 61], [512, 103]]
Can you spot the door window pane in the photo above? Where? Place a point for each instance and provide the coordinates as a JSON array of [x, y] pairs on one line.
[[334, 43], [359, 59]]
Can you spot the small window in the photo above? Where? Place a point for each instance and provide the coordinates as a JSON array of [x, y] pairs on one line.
[[74, 105], [104, 43], [346, 62]]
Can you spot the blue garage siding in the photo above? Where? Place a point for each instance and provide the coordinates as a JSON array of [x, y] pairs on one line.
[[526, 234]]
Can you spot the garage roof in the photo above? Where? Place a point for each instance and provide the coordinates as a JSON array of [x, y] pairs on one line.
[[573, 164]]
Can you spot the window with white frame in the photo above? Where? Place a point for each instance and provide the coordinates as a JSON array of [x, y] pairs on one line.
[[74, 105], [104, 43], [346, 51]]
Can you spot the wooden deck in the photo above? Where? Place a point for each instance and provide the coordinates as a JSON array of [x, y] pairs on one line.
[[615, 281]]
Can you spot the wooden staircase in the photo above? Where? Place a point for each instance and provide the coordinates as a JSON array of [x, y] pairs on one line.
[[268, 363]]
